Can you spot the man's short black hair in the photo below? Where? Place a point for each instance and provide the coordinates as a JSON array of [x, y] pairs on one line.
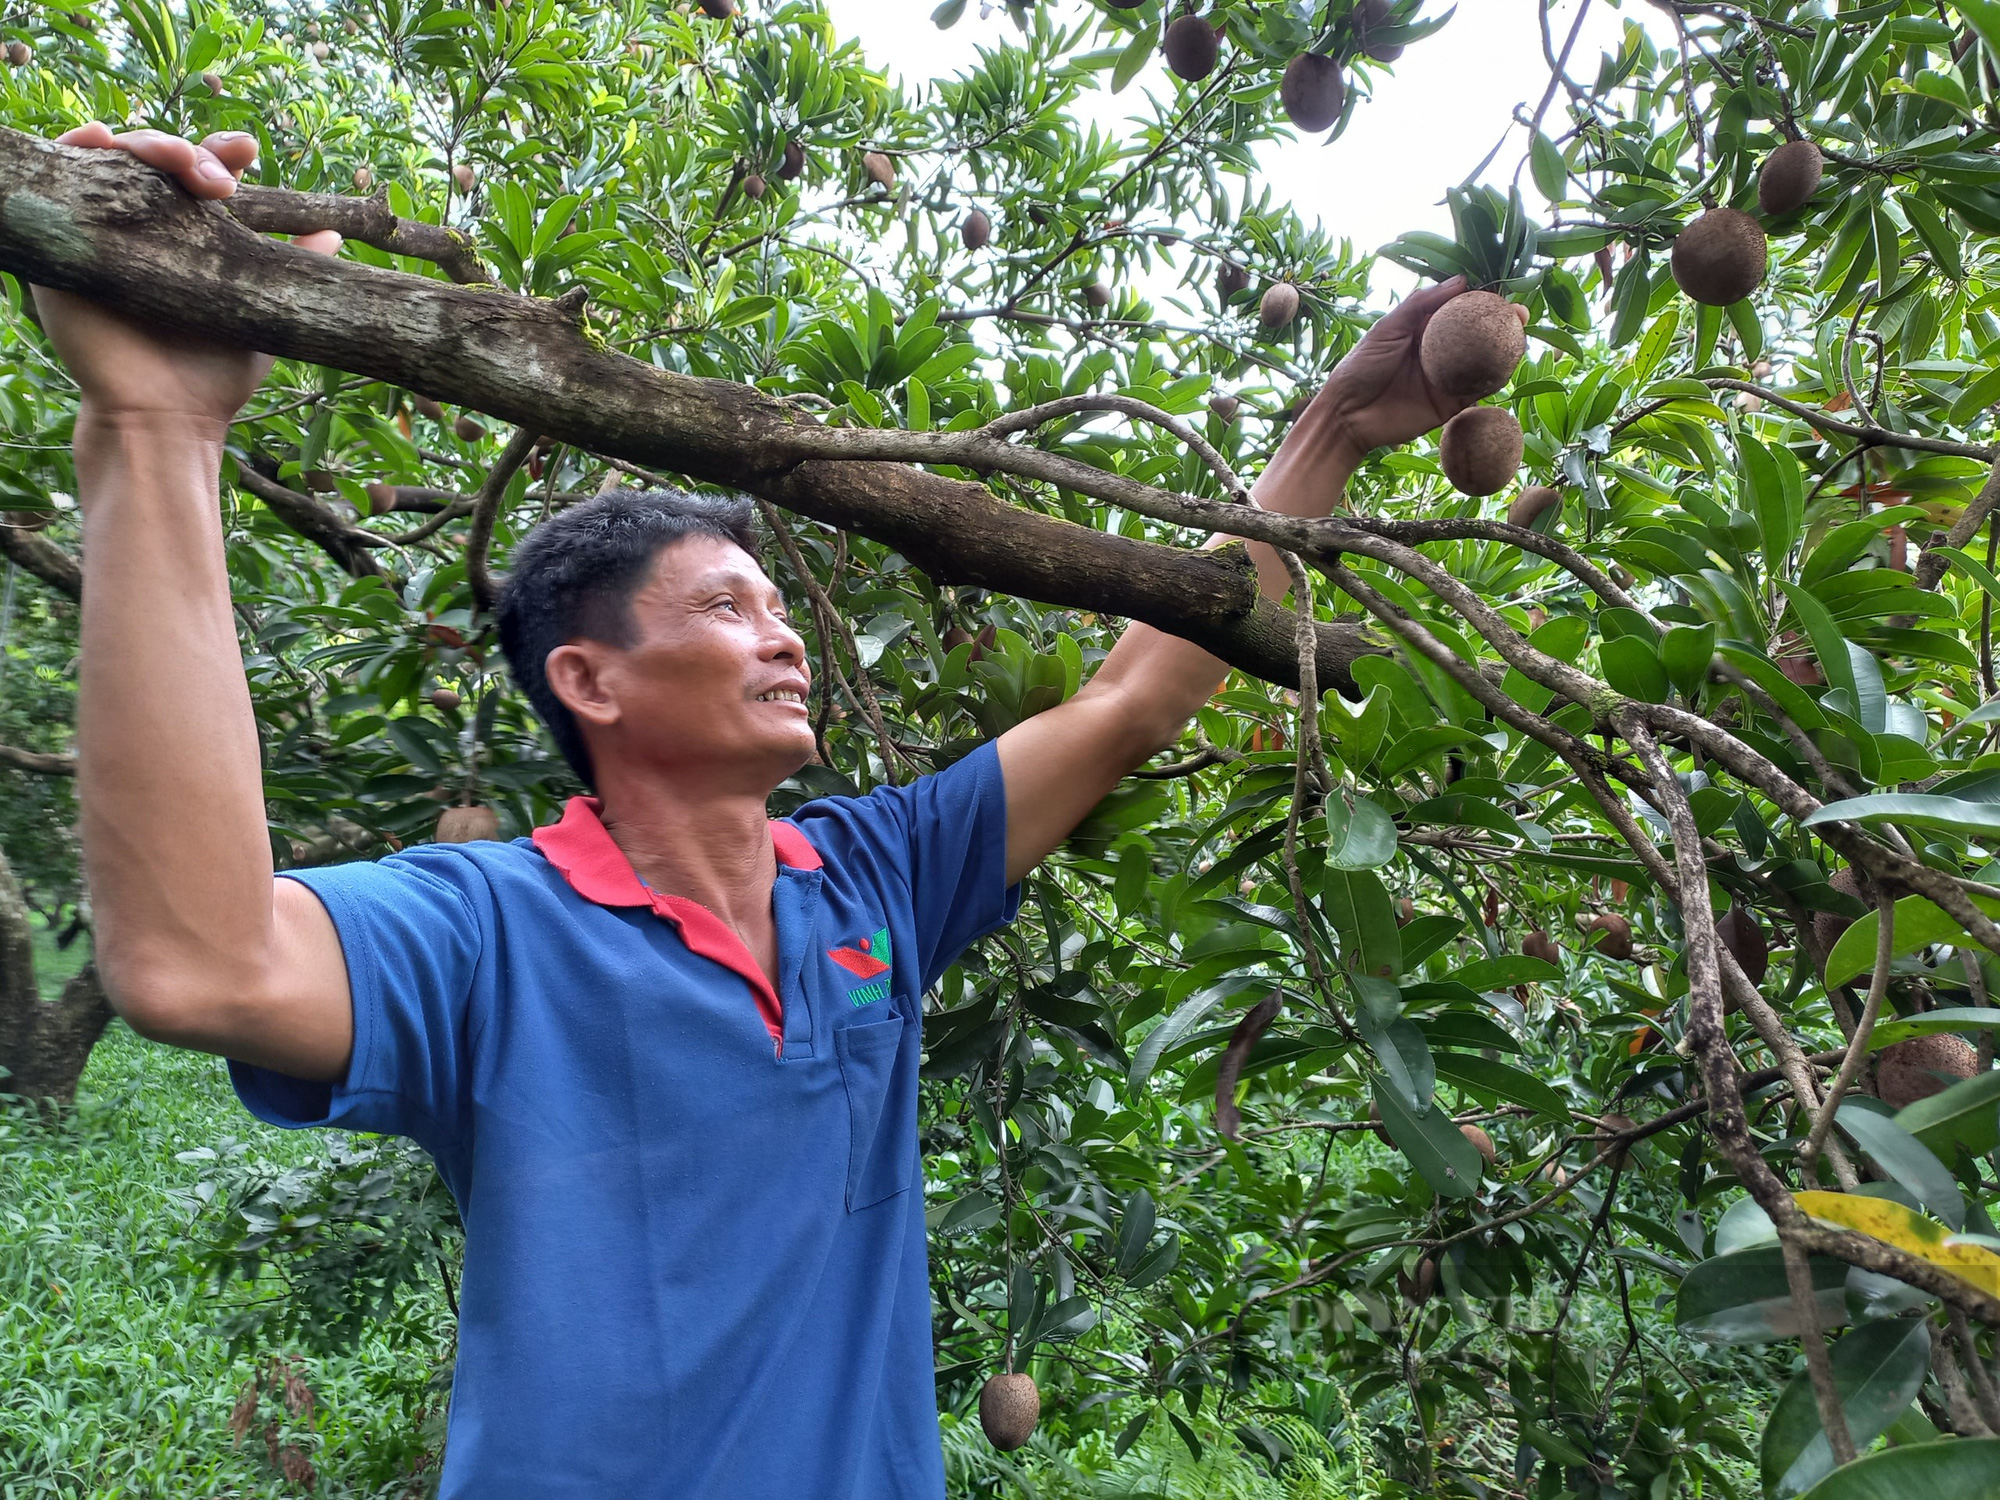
[[573, 578]]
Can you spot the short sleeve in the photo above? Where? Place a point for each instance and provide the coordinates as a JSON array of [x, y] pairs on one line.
[[949, 832], [412, 940]]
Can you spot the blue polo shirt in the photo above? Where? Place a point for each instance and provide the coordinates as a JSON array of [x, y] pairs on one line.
[[694, 1233]]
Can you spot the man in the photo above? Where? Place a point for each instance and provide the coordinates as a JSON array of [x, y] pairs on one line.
[[665, 1050]]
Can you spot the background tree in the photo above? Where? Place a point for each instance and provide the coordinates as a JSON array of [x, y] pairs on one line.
[[1623, 864]]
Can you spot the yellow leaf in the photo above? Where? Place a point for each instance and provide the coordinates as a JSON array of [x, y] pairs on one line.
[[1893, 1224]]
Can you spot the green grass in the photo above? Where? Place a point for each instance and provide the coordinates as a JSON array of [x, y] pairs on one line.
[[113, 1385], [55, 967]]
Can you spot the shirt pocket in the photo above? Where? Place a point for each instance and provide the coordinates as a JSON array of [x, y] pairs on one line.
[[881, 1110]]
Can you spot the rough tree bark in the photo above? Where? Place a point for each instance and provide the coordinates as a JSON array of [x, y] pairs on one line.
[[100, 224], [44, 1044]]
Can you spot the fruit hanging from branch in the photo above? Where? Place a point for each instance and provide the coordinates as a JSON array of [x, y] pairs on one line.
[[1009, 1407], [1538, 944], [1312, 92], [794, 161], [1230, 280], [1743, 935], [1923, 1066], [1534, 502], [1789, 177], [1191, 47], [1371, 17], [1480, 450], [1720, 257], [1610, 934], [976, 230], [1472, 346], [1278, 306], [881, 169]]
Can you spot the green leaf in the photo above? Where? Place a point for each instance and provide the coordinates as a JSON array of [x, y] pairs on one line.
[[1632, 667], [1878, 1369], [1443, 1157], [1905, 1160], [1357, 904], [1917, 924], [1965, 1116], [1135, 1231], [1187, 1015], [1919, 809], [1686, 651], [1744, 1298], [1545, 161], [1133, 58], [1506, 971], [1405, 1058], [1776, 497], [1829, 645], [1490, 1081], [1929, 1023], [1360, 837], [1962, 1469]]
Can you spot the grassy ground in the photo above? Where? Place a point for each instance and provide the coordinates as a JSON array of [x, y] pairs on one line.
[[113, 1386]]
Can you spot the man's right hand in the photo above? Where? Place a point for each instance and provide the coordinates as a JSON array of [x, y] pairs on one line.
[[126, 367], [197, 945]]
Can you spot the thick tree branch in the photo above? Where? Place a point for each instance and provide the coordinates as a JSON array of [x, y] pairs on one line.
[[99, 224], [37, 762], [36, 554]]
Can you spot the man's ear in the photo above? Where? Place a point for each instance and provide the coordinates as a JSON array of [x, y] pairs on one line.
[[576, 676]]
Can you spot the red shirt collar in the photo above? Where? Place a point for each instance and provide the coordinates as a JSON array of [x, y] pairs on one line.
[[590, 860], [582, 849]]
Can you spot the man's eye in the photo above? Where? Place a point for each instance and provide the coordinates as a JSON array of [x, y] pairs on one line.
[[725, 604]]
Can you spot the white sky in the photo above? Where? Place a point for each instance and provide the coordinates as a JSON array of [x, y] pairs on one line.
[[1429, 124]]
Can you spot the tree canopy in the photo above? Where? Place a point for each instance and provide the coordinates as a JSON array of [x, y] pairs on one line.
[[1547, 996]]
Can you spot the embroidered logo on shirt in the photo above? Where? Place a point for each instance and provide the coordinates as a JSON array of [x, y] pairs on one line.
[[868, 960]]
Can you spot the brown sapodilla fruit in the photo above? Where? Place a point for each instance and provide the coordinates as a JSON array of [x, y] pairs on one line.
[[1230, 280], [718, 10], [1610, 934], [1922, 1066], [1191, 48], [1420, 1288], [1829, 925], [212, 82], [1480, 449], [1472, 345], [754, 185], [1313, 92], [1009, 1407], [976, 230], [1789, 177], [1538, 944], [794, 162], [464, 175], [468, 429], [465, 825], [1225, 407], [1375, 1125], [1279, 305], [1618, 1125], [1097, 294], [1720, 257], [364, 178], [1482, 1143], [427, 407], [880, 169], [444, 698], [1534, 501], [18, 53], [1743, 935], [381, 497], [1371, 16]]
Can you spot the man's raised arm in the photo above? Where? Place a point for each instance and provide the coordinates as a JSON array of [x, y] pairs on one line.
[[196, 943], [1060, 764]]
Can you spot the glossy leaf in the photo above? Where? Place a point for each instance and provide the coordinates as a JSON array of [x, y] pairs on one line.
[[1877, 1368]]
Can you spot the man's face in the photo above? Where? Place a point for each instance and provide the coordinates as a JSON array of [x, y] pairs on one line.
[[714, 683]]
